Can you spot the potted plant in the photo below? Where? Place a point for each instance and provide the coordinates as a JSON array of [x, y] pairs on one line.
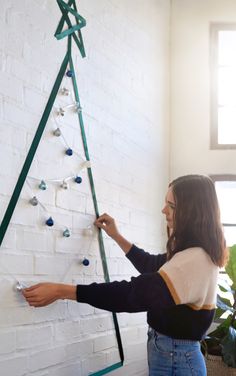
[[219, 347]]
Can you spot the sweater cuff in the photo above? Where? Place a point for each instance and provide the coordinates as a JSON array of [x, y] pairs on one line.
[[132, 252], [82, 293]]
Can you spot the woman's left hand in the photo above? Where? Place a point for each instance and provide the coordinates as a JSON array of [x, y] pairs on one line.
[[42, 294]]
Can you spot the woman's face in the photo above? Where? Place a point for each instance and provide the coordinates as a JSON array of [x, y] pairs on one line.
[[169, 208]]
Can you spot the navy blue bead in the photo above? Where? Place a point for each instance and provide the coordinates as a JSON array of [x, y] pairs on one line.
[[69, 152], [69, 73], [78, 179], [49, 222], [85, 262]]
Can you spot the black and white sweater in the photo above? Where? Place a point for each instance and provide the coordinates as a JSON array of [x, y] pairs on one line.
[[179, 295]]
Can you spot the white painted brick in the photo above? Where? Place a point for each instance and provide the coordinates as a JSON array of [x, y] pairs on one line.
[[67, 331], [17, 316], [112, 266], [55, 311], [17, 264], [94, 363], [67, 370], [30, 337], [25, 214], [34, 100], [7, 341], [80, 309], [137, 351], [13, 136], [75, 245], [10, 161], [19, 69], [17, 115], [98, 324], [51, 265], [34, 241], [129, 335], [16, 366], [83, 221], [2, 60], [9, 241], [44, 359], [71, 201], [11, 87], [104, 342], [79, 349]]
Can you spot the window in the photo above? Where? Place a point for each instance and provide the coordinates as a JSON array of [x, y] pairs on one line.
[[226, 193], [223, 86]]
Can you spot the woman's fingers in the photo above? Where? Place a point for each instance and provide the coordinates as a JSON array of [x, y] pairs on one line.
[[31, 288]]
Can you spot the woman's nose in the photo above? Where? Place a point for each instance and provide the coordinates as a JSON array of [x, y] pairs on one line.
[[164, 210]]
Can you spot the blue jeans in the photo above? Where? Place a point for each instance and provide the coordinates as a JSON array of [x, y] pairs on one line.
[[174, 357]]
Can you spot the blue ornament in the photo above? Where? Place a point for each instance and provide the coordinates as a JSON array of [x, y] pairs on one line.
[[66, 233], [42, 185], [78, 179], [49, 222], [85, 262], [69, 152], [69, 73]]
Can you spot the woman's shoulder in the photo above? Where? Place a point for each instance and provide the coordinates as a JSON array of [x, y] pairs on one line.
[[192, 258]]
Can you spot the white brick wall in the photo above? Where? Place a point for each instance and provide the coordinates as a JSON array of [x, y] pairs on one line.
[[123, 86]]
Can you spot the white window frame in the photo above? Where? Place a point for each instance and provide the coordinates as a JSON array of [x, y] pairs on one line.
[[214, 41], [226, 178]]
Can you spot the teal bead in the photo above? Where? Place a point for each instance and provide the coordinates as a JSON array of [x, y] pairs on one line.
[[66, 233], [42, 185]]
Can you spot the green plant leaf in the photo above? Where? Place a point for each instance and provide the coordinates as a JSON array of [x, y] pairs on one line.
[[231, 265], [222, 329], [224, 304], [224, 286], [229, 347], [218, 313]]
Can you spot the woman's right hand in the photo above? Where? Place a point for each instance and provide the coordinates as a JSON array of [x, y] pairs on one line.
[[108, 224]]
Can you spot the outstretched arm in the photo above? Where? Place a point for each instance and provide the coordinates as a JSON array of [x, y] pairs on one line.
[[142, 261], [143, 293]]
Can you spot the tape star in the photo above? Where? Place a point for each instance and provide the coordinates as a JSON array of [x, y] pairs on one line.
[[66, 8]]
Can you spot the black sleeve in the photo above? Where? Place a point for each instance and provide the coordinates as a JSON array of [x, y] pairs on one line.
[[142, 293], [144, 262]]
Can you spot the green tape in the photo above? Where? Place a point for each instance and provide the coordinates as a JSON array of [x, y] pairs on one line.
[[28, 161], [107, 370], [80, 22], [92, 187]]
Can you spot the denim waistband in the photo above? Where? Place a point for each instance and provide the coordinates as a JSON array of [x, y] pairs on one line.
[[176, 341]]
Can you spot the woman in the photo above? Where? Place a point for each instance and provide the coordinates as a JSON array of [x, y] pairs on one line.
[[177, 289]]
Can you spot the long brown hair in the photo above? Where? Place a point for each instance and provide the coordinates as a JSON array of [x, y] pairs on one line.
[[196, 218]]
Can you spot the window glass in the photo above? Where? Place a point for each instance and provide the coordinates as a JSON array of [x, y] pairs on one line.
[[223, 86], [226, 193]]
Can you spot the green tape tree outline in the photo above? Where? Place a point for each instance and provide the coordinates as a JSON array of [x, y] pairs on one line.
[[73, 31]]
